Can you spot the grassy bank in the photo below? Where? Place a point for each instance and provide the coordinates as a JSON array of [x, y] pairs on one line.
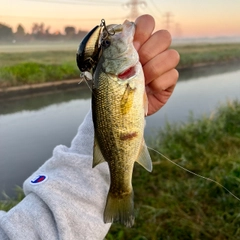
[[202, 54], [171, 203], [36, 67], [174, 204]]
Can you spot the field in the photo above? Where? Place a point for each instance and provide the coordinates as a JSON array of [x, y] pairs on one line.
[[36, 64], [171, 203]]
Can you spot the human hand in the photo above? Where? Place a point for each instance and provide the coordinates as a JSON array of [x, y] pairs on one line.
[[157, 60]]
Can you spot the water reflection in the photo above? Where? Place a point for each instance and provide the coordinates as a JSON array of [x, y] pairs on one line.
[[28, 138], [198, 95], [38, 101], [205, 71]]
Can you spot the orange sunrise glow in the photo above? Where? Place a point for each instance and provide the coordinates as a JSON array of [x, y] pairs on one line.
[[186, 19]]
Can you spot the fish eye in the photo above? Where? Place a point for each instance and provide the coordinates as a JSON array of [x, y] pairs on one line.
[[106, 43]]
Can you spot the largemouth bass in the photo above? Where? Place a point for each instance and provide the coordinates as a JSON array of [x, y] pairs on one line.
[[119, 107]]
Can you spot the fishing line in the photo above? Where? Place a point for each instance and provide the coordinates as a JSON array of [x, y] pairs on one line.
[[193, 173], [86, 76]]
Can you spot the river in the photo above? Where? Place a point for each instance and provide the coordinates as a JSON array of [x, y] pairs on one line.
[[31, 126]]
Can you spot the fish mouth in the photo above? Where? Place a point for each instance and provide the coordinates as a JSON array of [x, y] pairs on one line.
[[127, 73]]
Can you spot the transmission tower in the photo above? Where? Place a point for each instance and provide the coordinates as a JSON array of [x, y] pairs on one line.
[[133, 4], [167, 16]]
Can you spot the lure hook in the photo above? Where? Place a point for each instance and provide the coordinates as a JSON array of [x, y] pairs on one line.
[[103, 24]]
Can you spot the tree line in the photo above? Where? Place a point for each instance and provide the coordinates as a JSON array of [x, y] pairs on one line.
[[38, 32]]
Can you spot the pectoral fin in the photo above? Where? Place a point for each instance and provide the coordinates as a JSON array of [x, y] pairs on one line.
[[145, 102], [144, 158], [97, 154]]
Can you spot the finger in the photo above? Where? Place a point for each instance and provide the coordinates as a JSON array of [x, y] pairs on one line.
[[157, 43], [144, 27], [160, 64], [160, 90], [165, 82]]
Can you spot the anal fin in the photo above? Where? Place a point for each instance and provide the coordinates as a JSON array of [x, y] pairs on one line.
[[144, 158]]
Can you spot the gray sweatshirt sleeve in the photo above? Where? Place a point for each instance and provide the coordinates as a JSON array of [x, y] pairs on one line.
[[65, 197]]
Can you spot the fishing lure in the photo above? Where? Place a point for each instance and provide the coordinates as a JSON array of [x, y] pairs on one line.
[[89, 50]]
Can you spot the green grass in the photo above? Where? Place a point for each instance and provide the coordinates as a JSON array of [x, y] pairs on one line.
[[9, 203], [19, 68], [37, 67], [32, 72], [201, 54], [171, 203]]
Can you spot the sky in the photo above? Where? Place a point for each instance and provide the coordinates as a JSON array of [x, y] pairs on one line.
[[186, 18]]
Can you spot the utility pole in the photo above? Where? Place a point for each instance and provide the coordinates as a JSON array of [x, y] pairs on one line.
[[167, 16], [133, 4]]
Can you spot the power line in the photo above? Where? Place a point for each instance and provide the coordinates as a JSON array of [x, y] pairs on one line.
[[156, 12], [60, 19], [156, 7], [78, 2]]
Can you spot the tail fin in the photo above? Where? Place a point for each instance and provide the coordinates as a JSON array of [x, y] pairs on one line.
[[120, 209]]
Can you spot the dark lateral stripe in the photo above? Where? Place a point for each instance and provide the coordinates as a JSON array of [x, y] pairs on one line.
[[128, 136]]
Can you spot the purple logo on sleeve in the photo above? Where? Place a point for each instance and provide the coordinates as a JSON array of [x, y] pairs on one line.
[[39, 179]]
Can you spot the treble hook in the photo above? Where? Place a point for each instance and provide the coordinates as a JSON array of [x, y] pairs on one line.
[[103, 24]]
